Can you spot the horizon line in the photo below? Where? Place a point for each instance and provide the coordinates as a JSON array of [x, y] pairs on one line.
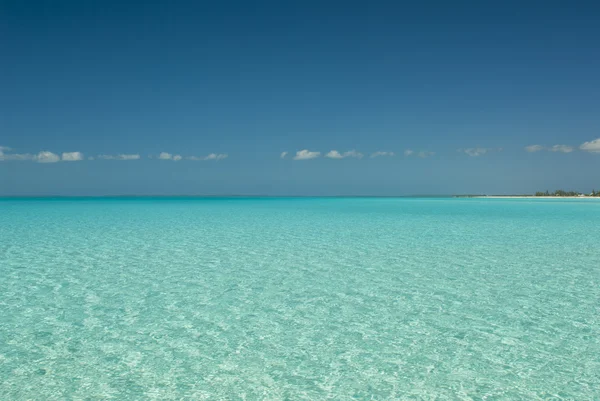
[[238, 196]]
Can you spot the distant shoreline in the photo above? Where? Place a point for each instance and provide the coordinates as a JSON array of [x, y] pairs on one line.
[[528, 197]]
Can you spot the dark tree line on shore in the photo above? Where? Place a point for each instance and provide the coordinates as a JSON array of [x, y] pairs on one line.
[[560, 192]]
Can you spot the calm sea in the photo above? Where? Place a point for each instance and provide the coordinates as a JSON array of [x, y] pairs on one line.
[[299, 299]]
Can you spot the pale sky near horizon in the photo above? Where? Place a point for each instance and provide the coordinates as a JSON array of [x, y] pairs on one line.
[[298, 98]]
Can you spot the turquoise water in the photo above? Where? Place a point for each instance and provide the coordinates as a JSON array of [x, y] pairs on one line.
[[291, 299]]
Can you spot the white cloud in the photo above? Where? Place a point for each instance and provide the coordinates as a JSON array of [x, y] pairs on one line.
[[334, 154], [591, 146], [381, 153], [47, 157], [212, 156], [7, 157], [424, 154], [408, 152], [561, 148], [72, 156], [353, 153], [306, 155], [168, 156], [215, 156], [16, 156], [91, 158], [119, 157], [555, 148], [128, 157], [283, 155], [534, 148], [42, 157], [475, 152]]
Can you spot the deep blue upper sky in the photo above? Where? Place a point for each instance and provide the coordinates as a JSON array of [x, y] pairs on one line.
[[455, 81]]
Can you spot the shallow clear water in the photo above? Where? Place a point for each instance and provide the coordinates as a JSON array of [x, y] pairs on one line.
[[164, 299]]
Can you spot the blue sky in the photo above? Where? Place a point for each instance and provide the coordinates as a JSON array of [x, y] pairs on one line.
[[460, 97]]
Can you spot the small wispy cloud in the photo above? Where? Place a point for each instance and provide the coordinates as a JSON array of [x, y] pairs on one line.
[[353, 153], [212, 156], [561, 148], [169, 156], [476, 152], [382, 154], [16, 156], [555, 148], [534, 148], [119, 157], [72, 156], [283, 155], [128, 157], [216, 156], [44, 156], [334, 154], [425, 154], [305, 154], [8, 157], [591, 146], [409, 152], [47, 157]]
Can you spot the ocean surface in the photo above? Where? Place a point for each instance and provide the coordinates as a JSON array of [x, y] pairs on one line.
[[299, 299]]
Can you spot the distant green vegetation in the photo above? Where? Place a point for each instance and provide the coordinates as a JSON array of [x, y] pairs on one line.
[[560, 192]]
